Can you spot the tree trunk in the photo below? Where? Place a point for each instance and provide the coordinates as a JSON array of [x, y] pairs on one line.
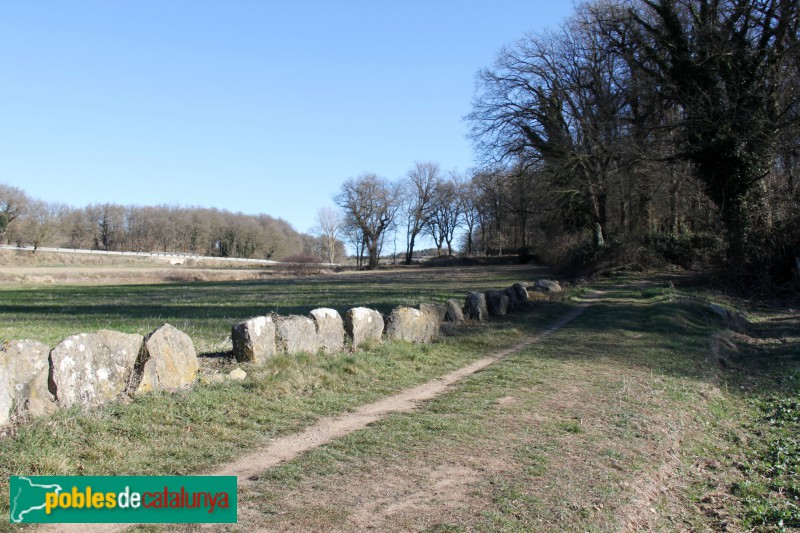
[[410, 250]]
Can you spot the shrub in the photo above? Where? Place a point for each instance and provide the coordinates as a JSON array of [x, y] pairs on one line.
[[300, 265]]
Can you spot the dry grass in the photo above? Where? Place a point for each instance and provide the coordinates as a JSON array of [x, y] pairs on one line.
[[25, 267]]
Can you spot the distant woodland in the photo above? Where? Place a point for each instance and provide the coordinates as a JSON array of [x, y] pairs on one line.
[[112, 227]]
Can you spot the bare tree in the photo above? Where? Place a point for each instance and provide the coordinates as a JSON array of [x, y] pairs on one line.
[[329, 228], [370, 203], [356, 237], [419, 193], [109, 226], [553, 101], [445, 215], [40, 222], [13, 201], [468, 198]]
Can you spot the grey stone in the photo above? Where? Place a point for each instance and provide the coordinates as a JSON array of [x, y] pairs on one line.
[[254, 340], [435, 311], [295, 334], [522, 291], [237, 374], [513, 300], [28, 372], [91, 369], [455, 313], [475, 306], [547, 286], [168, 360], [435, 314], [496, 303], [408, 324], [363, 325], [330, 329]]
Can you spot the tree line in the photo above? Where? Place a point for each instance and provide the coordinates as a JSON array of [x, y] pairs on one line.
[[652, 125], [638, 131], [114, 227]]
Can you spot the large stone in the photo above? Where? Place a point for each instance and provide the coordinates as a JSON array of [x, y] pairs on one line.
[[547, 286], [91, 369], [254, 340], [513, 299], [496, 303], [455, 312], [330, 329], [435, 314], [6, 389], [521, 290], [295, 334], [475, 306], [363, 325], [412, 325], [28, 371], [168, 360]]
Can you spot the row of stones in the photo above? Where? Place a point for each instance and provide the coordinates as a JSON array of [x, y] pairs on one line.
[[90, 369], [259, 338]]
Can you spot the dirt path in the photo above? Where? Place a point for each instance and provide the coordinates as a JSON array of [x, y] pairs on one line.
[[248, 467], [327, 429]]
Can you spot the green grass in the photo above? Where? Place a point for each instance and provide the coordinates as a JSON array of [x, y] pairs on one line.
[[770, 489], [565, 435], [206, 311], [596, 410], [190, 431]]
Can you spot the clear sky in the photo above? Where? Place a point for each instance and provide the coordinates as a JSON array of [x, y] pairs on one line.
[[252, 106]]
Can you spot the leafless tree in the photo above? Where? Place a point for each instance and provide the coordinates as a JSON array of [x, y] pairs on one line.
[[370, 204], [40, 222], [552, 101], [329, 228], [445, 216], [419, 192], [468, 198], [13, 201]]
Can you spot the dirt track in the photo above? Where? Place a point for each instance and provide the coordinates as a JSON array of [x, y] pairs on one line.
[[248, 467]]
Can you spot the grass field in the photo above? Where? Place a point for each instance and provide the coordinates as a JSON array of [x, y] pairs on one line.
[[631, 418], [206, 311], [646, 412]]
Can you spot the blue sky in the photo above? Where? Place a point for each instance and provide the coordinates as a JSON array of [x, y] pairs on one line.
[[251, 106]]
